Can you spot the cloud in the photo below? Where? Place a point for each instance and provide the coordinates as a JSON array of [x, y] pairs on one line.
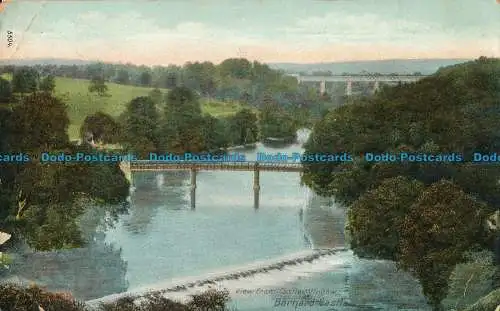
[[368, 27], [130, 35], [134, 37]]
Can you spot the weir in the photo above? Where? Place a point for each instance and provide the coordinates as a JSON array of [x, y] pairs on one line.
[[183, 284]]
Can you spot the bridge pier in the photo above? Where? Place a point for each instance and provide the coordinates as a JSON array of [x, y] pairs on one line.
[[322, 87], [348, 90], [256, 185], [193, 188], [160, 180], [376, 86]]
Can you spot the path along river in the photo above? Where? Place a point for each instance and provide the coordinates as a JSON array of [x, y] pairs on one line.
[[161, 239]]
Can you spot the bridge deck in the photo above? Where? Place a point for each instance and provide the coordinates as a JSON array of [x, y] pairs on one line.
[[360, 78], [142, 166]]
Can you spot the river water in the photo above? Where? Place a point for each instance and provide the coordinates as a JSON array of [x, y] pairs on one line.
[[161, 239]]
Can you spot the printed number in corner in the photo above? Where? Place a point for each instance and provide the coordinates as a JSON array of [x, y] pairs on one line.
[[10, 38]]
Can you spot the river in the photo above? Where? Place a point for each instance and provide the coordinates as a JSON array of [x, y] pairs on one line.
[[161, 239]]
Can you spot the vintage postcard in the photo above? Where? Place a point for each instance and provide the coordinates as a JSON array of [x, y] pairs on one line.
[[249, 155]]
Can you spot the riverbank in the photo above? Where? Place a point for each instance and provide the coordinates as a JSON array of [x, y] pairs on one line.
[[161, 238], [276, 140]]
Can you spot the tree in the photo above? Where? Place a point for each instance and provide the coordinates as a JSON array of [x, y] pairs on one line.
[[37, 200], [94, 70], [146, 78], [260, 71], [243, 127], [140, 126], [452, 111], [200, 77], [239, 68], [215, 133], [443, 224], [103, 128], [275, 121], [25, 80], [377, 210], [168, 77], [97, 84], [157, 96], [39, 122], [182, 124], [123, 77], [5, 91], [48, 84]]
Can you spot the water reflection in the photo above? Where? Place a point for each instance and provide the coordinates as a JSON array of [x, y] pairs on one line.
[[87, 272], [155, 191], [325, 221]]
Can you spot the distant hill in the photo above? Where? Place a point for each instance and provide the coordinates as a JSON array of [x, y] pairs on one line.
[[44, 61], [400, 66]]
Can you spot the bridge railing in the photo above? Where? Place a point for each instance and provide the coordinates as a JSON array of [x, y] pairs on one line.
[[143, 163]]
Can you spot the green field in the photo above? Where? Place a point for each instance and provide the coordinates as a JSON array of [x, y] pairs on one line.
[[81, 103]]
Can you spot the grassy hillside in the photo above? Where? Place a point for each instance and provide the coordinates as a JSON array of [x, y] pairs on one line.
[[81, 103]]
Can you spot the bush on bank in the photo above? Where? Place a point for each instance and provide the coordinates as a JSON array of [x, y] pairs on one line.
[[17, 298], [488, 303]]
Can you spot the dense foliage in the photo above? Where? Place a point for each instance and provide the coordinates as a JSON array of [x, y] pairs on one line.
[[176, 124], [98, 85], [102, 127], [25, 80], [5, 91], [233, 80], [37, 199], [276, 121], [423, 215], [17, 298], [48, 84], [183, 126]]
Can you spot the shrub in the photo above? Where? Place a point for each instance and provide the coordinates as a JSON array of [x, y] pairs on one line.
[[211, 300], [14, 297], [153, 302]]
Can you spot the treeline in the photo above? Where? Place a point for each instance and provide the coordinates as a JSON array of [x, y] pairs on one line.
[[427, 217], [174, 122], [286, 105], [234, 79]]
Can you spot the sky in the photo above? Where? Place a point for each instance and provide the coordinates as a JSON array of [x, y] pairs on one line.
[[298, 31]]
